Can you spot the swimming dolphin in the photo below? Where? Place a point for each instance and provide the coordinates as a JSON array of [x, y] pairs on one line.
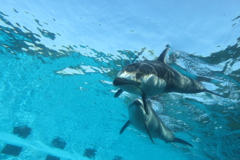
[[150, 78], [149, 124]]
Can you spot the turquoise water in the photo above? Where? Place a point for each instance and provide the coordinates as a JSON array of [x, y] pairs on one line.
[[61, 87]]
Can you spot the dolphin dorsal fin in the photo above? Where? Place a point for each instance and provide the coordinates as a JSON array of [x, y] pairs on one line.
[[162, 57]]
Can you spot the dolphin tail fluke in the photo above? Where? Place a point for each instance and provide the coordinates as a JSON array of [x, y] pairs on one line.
[[178, 140], [214, 93], [118, 93], [124, 127]]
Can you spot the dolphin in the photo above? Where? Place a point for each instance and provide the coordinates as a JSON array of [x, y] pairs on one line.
[[149, 124], [150, 78]]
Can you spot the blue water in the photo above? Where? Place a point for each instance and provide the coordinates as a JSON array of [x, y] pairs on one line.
[[62, 88]]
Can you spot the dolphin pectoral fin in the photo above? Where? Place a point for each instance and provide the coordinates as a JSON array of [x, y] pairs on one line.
[[146, 127], [162, 57], [144, 103], [118, 93], [178, 140], [124, 127]]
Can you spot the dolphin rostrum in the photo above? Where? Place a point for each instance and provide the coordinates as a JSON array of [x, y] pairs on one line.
[[149, 124], [150, 78]]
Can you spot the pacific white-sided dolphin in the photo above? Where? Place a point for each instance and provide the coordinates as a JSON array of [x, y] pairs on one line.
[[149, 124], [150, 78]]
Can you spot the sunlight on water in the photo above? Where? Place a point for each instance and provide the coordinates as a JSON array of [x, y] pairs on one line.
[[57, 101]]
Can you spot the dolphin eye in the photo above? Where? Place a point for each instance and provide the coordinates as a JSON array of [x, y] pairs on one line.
[[139, 75], [131, 67]]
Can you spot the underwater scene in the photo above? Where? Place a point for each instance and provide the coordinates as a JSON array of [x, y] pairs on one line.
[[79, 79]]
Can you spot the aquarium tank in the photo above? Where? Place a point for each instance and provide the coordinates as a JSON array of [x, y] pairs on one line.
[[58, 60]]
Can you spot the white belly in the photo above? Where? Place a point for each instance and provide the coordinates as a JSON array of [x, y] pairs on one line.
[[151, 85]]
